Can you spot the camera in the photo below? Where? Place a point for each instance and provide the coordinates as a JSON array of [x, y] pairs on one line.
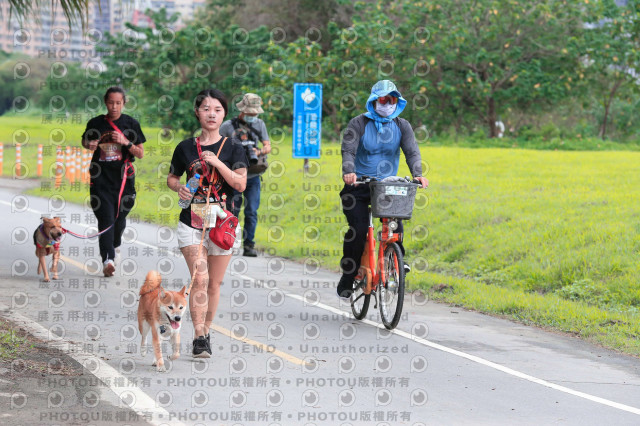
[[251, 154]]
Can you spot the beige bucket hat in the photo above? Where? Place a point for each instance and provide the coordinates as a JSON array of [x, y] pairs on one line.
[[250, 104]]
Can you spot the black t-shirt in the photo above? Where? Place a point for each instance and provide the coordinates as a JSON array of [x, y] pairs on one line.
[[108, 158], [186, 159]]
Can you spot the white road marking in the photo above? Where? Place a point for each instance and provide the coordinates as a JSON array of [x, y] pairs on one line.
[[29, 209], [140, 243], [439, 347], [142, 403], [470, 357]]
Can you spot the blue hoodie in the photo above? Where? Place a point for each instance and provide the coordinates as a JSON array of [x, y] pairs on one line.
[[378, 152], [384, 88]]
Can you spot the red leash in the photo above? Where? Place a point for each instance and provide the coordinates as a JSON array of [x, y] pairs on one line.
[[128, 166]]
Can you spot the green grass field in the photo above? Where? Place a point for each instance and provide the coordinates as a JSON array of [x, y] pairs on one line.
[[548, 238]]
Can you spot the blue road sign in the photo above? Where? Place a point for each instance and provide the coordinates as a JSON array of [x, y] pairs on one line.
[[307, 120]]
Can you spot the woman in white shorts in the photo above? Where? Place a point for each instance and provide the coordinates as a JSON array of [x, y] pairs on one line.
[[223, 163]]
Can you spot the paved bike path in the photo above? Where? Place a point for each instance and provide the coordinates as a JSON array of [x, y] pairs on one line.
[[287, 351]]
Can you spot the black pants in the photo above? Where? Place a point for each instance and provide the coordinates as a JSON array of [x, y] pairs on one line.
[[355, 206], [104, 203]]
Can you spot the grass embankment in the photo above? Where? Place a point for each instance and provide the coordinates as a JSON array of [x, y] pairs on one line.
[[549, 238]]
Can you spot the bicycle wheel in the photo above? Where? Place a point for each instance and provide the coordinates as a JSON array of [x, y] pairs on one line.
[[391, 291], [359, 300]]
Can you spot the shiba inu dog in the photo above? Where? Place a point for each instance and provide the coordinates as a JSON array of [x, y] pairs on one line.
[[47, 240], [160, 311]]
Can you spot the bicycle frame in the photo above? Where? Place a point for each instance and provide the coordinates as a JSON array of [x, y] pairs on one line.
[[383, 277], [376, 275]]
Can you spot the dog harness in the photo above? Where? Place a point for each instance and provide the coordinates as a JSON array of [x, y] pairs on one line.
[[52, 243]]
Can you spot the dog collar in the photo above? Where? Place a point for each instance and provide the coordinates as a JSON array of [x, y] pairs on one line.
[[54, 243]]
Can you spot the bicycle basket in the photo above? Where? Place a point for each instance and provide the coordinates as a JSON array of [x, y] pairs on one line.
[[392, 199]]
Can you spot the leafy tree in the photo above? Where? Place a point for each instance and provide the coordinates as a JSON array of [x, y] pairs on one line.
[[457, 63], [66, 86], [369, 50], [21, 78], [168, 68], [73, 10], [612, 48], [288, 20], [489, 55]]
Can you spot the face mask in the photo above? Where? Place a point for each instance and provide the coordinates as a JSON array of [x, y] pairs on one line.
[[385, 110], [250, 118]]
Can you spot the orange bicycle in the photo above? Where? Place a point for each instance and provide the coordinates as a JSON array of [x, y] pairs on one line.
[[390, 201]]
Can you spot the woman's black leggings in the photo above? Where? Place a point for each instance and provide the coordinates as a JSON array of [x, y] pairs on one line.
[[105, 205]]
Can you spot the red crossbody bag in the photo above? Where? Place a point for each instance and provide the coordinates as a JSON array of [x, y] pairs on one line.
[[224, 233]]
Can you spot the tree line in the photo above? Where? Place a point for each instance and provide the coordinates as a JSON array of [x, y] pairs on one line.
[[564, 66]]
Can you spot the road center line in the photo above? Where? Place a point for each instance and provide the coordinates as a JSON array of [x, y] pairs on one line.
[[222, 330], [219, 329], [76, 264], [265, 348], [442, 348]]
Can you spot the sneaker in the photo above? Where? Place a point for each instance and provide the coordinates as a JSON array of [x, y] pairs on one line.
[[345, 287], [109, 268], [407, 268], [250, 252], [201, 347]]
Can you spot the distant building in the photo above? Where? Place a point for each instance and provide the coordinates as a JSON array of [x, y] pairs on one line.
[[49, 35], [186, 9]]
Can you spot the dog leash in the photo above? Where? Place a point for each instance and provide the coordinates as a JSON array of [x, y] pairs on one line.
[[206, 208], [195, 269], [204, 230], [127, 167]]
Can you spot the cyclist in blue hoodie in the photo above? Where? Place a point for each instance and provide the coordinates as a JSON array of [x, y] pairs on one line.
[[371, 146]]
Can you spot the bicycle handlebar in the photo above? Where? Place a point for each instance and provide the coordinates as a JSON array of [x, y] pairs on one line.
[[364, 179], [367, 179]]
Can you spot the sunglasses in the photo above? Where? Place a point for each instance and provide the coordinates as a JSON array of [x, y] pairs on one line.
[[382, 100]]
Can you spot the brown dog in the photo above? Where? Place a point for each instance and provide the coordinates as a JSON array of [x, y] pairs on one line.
[[47, 240], [160, 311]]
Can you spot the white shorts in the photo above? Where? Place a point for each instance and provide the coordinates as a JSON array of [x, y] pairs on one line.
[[188, 236]]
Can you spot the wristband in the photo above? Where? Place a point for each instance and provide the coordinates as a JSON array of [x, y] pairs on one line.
[[129, 145]]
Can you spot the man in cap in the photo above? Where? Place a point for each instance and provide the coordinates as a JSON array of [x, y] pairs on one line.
[[252, 131]]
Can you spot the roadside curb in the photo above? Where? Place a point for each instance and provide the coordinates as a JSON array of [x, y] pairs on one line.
[[130, 396]]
